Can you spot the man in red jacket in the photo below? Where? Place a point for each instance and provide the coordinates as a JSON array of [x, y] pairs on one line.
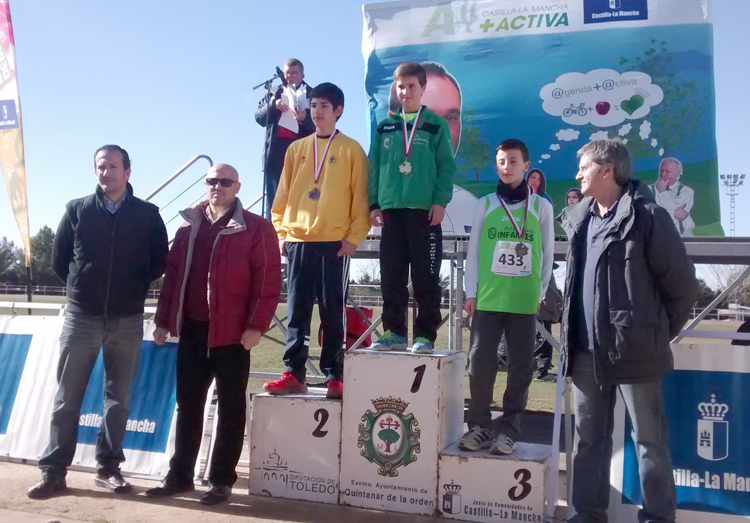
[[221, 288]]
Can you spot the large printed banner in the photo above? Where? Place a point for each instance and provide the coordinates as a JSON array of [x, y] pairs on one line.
[[29, 351], [11, 137], [557, 74], [709, 422]]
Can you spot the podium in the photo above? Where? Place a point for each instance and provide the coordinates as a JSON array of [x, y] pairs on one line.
[[399, 411], [479, 486], [294, 446]]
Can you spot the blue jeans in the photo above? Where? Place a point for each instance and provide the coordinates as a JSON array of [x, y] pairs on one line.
[[81, 338], [594, 407]]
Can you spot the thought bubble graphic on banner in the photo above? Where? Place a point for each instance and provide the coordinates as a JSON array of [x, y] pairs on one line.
[[554, 147], [599, 135], [645, 130], [567, 135], [602, 97]]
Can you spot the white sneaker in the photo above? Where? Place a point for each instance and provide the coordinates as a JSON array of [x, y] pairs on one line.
[[477, 438], [503, 445]]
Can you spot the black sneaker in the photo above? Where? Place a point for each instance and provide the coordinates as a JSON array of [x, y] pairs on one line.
[[169, 488], [216, 494], [47, 487], [113, 482]]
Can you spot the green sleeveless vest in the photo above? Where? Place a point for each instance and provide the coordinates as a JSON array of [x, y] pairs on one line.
[[502, 254]]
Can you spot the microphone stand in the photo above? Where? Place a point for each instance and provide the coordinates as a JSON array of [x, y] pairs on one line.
[[268, 83]]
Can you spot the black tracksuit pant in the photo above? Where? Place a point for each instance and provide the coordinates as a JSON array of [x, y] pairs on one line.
[[407, 240], [315, 270]]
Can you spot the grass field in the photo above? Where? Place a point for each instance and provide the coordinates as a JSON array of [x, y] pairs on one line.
[[267, 356]]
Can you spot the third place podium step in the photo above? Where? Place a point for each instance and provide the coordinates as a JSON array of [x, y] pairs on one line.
[[478, 486]]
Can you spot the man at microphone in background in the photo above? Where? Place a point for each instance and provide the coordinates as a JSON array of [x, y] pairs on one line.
[[286, 116]]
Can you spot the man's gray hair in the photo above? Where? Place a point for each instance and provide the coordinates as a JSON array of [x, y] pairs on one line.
[[291, 62], [611, 151], [675, 161]]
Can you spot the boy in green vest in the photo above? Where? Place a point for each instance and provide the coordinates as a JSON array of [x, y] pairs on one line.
[[508, 267]]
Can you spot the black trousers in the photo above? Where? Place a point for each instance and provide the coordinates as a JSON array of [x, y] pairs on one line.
[[543, 349], [315, 270], [407, 240], [272, 172], [197, 366]]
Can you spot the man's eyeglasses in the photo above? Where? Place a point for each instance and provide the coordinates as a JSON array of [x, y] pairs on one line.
[[224, 182]]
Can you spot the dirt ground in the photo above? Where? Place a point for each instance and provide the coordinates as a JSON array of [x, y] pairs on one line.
[[83, 501]]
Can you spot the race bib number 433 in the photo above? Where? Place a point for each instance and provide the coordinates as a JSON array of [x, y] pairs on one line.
[[512, 259]]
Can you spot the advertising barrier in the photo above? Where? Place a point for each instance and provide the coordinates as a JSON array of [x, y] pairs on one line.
[[28, 382], [708, 424]]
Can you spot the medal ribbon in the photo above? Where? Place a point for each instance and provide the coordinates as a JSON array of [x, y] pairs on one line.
[[319, 166], [512, 220], [407, 146]]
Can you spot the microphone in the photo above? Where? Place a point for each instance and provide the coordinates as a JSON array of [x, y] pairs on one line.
[[280, 74]]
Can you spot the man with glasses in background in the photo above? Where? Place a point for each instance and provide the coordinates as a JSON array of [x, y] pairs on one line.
[[221, 288], [285, 114]]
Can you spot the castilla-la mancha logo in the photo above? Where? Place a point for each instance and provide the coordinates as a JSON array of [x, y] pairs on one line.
[[713, 431], [452, 498], [389, 437]]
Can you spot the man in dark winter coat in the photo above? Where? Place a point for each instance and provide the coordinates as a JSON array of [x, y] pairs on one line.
[[109, 247], [221, 288], [629, 290], [286, 116]]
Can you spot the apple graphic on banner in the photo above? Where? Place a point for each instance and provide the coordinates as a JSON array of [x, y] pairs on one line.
[[602, 108], [630, 106]]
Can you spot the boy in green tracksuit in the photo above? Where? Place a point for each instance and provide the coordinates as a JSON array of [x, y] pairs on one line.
[[409, 186], [508, 268]]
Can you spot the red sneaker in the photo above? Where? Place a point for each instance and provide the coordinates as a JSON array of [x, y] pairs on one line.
[[335, 389], [286, 384]]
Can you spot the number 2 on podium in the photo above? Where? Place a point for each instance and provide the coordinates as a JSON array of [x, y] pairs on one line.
[[321, 416]]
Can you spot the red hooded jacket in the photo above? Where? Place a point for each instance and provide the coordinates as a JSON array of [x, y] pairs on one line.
[[244, 276]]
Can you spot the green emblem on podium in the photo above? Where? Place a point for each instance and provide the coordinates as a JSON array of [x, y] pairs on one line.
[[388, 437]]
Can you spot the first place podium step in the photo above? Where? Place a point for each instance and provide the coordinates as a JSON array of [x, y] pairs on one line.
[[399, 411]]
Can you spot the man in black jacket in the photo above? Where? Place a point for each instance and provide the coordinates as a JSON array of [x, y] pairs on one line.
[[292, 98], [109, 247], [629, 290]]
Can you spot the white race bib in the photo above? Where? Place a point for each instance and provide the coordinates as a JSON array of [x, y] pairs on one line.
[[512, 258]]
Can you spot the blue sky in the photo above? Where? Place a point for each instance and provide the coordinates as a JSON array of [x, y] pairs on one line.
[[169, 81]]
